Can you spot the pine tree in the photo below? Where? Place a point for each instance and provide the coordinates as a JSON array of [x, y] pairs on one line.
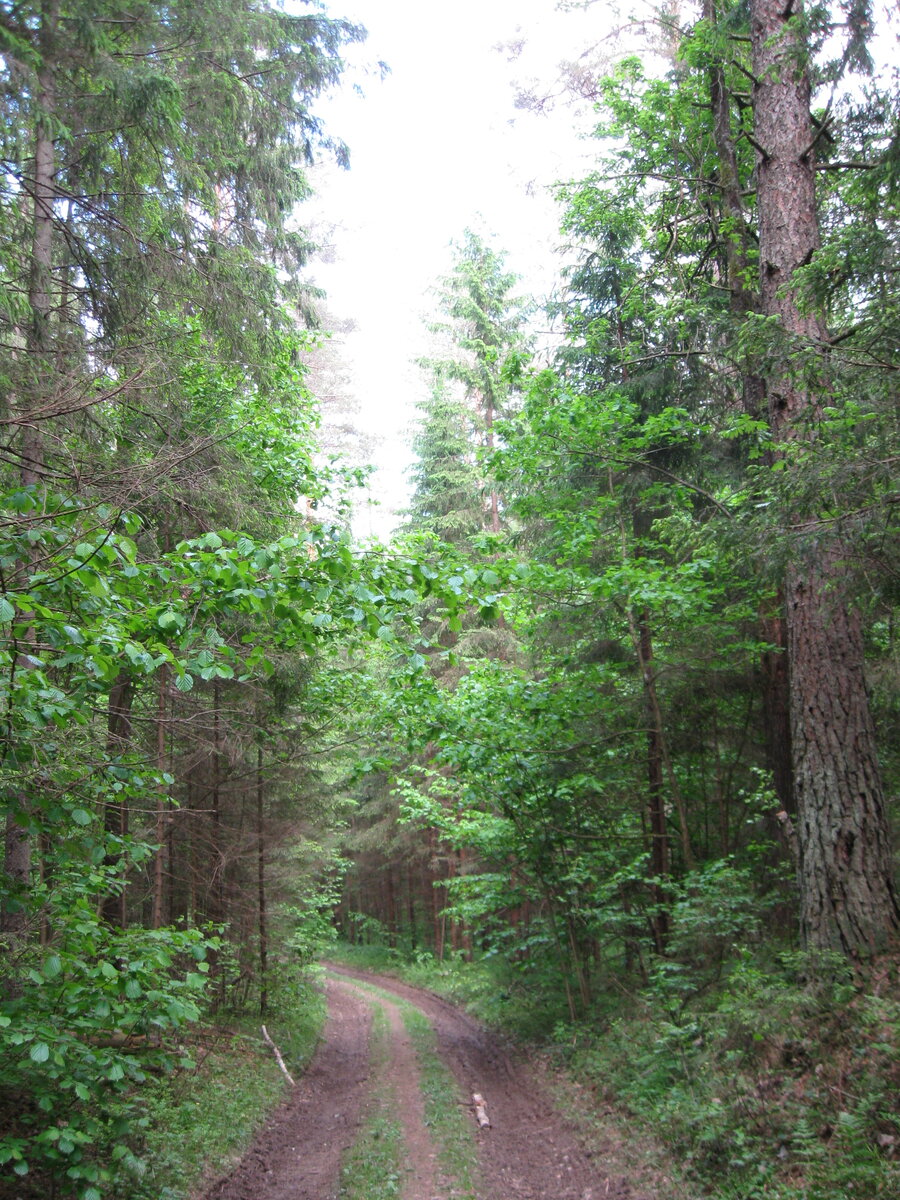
[[847, 897]]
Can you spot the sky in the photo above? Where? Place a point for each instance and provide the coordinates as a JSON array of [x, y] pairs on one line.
[[436, 146]]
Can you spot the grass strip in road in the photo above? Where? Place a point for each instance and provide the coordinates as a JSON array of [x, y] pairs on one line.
[[450, 1128], [371, 1169], [445, 1117]]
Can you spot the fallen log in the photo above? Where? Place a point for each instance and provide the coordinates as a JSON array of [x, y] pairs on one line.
[[480, 1111]]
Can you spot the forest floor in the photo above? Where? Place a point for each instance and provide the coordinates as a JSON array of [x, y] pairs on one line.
[[530, 1151]]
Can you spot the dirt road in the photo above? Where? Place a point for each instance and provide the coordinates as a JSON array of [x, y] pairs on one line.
[[529, 1153]]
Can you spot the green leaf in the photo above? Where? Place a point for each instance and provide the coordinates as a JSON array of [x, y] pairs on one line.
[[81, 816], [184, 683], [39, 1052], [7, 612], [52, 967]]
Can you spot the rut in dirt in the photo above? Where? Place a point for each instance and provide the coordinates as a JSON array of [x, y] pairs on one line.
[[529, 1153]]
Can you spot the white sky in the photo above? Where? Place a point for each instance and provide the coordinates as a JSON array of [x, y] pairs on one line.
[[435, 147]]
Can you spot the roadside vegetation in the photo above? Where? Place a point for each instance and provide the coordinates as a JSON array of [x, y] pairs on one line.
[[196, 1123]]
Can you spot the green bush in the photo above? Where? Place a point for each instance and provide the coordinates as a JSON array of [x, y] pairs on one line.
[[90, 1017]]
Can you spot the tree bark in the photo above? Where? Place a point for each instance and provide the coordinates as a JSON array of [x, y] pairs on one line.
[[17, 840], [162, 801], [742, 300], [261, 889], [115, 812], [847, 897]]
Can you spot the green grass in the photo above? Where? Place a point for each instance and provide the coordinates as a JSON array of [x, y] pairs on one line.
[[209, 1115], [371, 1169], [451, 1128]]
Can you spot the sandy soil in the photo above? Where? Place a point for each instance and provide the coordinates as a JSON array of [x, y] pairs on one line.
[[529, 1153]]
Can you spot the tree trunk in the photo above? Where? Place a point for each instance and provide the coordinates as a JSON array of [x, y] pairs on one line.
[[847, 898], [17, 840], [261, 889], [744, 299], [115, 812], [776, 705], [162, 800], [39, 336], [656, 813]]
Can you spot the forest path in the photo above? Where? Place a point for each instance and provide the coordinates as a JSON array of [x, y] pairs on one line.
[[529, 1153]]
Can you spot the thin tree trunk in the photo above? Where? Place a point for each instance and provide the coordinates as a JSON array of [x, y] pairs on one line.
[[641, 640], [115, 811], [656, 813], [847, 896], [777, 705], [162, 800], [38, 341], [39, 337], [217, 882], [261, 888]]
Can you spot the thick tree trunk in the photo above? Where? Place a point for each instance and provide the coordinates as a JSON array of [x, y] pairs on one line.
[[744, 299], [847, 899]]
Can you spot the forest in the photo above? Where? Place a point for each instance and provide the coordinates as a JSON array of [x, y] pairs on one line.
[[601, 743]]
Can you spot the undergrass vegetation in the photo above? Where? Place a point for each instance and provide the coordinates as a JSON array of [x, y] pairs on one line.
[[782, 1083], [372, 1168]]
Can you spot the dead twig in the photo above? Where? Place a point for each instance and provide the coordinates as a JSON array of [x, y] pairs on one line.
[[285, 1072]]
